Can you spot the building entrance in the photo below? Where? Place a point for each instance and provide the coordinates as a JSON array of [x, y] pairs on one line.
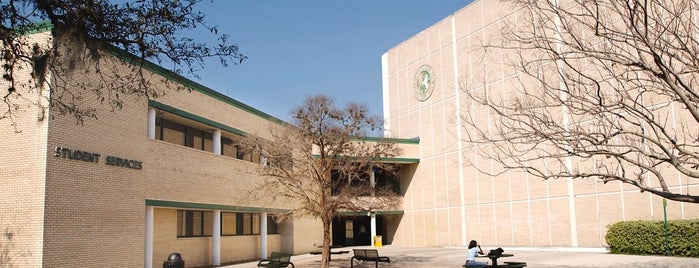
[[355, 230]]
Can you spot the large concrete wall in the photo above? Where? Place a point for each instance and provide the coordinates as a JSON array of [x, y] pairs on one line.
[[448, 203]]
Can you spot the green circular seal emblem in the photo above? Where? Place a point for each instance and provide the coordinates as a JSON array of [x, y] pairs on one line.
[[424, 82]]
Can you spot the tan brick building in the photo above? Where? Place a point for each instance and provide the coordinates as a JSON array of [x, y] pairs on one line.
[[153, 177], [127, 189], [448, 203]]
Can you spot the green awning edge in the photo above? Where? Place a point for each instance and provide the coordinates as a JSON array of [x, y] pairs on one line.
[[203, 206], [172, 76], [363, 213], [196, 118], [37, 27], [393, 140], [389, 159], [45, 26]]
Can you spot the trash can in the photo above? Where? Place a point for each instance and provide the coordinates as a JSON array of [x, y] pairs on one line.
[[174, 261], [378, 241]]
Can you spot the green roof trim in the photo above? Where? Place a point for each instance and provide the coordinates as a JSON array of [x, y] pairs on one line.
[[388, 159], [400, 160], [157, 69], [38, 27], [363, 213], [124, 55], [195, 117], [393, 140], [190, 205]]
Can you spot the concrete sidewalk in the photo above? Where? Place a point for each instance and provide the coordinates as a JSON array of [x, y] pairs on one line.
[[455, 257]]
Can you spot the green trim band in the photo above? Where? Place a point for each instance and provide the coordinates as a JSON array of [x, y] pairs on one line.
[[363, 213], [195, 117], [400, 160], [157, 69], [38, 27], [130, 58], [190, 205], [393, 140], [389, 159]]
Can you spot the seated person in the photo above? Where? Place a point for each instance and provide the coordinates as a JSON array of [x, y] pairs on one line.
[[474, 249]]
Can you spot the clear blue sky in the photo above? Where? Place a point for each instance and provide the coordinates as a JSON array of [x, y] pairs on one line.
[[301, 48]]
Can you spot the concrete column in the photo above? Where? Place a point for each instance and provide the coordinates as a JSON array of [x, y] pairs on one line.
[[372, 183], [263, 235], [216, 239], [151, 123], [148, 254], [217, 141], [373, 227]]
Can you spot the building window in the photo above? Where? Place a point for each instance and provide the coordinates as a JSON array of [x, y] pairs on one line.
[[245, 224], [228, 148], [193, 137], [176, 133], [385, 181], [272, 225], [199, 139], [170, 131], [192, 223], [229, 223], [249, 223]]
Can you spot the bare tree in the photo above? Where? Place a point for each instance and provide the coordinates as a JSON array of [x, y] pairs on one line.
[[324, 163], [87, 33], [603, 89]]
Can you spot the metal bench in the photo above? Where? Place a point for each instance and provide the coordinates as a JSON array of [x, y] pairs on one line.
[[368, 255], [508, 264], [512, 264], [278, 259]]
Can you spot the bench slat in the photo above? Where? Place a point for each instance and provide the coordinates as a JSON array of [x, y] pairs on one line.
[[368, 255]]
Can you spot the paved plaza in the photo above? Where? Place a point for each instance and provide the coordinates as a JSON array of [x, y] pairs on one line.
[[454, 257]]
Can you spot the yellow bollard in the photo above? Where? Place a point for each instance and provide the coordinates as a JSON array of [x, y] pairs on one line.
[[378, 241]]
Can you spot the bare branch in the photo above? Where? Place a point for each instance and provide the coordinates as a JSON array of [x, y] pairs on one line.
[[609, 86]]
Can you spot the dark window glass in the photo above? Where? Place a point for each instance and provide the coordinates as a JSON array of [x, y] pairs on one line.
[[194, 223], [271, 225], [208, 142], [199, 223], [228, 223], [159, 129], [239, 153], [255, 223], [194, 138], [247, 223], [228, 148], [200, 139], [173, 132]]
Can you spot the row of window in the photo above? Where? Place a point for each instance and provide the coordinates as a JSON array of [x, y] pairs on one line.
[[383, 180], [176, 133], [194, 223]]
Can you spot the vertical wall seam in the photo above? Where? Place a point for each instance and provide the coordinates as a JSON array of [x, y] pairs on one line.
[[459, 140]]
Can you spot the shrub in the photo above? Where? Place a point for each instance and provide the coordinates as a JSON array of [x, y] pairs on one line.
[[648, 238]]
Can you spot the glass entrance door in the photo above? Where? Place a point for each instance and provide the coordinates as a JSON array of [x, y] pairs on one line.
[[349, 232]]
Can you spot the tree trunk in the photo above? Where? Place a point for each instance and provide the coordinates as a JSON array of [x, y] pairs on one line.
[[325, 259]]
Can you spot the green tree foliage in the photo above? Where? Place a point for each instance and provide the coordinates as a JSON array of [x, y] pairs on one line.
[[152, 30]]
